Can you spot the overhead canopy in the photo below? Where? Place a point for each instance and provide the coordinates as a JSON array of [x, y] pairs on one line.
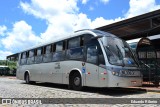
[[140, 26]]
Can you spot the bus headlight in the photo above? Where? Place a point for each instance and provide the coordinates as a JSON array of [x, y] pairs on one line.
[[115, 73]]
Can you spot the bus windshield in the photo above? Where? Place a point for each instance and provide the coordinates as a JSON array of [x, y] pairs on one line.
[[118, 52]]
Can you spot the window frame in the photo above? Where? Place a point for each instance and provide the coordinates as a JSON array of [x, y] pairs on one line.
[[96, 63], [71, 40], [57, 45]]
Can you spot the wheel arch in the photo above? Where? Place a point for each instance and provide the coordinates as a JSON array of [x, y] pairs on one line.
[[75, 70], [27, 71]]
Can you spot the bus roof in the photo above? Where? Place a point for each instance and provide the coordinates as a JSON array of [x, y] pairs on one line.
[[76, 33]]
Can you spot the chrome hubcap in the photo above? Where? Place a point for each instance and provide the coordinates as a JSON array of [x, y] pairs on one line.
[[77, 81]]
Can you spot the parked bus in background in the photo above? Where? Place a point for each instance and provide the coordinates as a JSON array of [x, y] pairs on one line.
[[4, 70], [87, 58], [148, 58]]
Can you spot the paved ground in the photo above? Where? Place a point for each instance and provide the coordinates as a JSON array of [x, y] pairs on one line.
[[13, 88]]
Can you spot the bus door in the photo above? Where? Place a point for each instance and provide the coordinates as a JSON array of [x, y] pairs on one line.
[[57, 70], [57, 76], [58, 56], [92, 72]]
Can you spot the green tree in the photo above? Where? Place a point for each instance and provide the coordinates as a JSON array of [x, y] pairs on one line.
[[11, 64]]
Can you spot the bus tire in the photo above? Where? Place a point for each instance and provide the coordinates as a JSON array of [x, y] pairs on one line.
[[27, 79], [76, 81]]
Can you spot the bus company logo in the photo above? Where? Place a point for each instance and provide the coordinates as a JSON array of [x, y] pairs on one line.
[[6, 101]]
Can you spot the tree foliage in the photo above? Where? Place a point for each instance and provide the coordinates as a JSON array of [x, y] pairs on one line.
[[11, 64]]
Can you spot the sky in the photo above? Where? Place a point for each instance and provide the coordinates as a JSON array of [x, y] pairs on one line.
[[26, 23]]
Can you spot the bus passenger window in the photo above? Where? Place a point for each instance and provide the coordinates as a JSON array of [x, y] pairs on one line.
[[30, 59], [59, 54], [59, 46], [38, 58], [23, 58], [75, 48], [74, 42], [92, 54], [24, 55], [31, 53], [39, 51], [75, 53], [47, 49], [47, 57]]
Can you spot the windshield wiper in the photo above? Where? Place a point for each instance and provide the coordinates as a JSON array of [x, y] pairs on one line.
[[133, 56]]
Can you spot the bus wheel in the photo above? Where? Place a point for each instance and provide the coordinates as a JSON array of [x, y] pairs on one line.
[[76, 81], [27, 79]]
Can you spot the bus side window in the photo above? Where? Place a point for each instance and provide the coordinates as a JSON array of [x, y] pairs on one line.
[[92, 54], [75, 48], [24, 55], [31, 53], [38, 55], [59, 53], [92, 51], [30, 59], [47, 57], [59, 46], [74, 42], [39, 51], [23, 58]]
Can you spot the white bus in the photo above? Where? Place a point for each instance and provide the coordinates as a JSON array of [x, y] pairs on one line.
[[87, 58]]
